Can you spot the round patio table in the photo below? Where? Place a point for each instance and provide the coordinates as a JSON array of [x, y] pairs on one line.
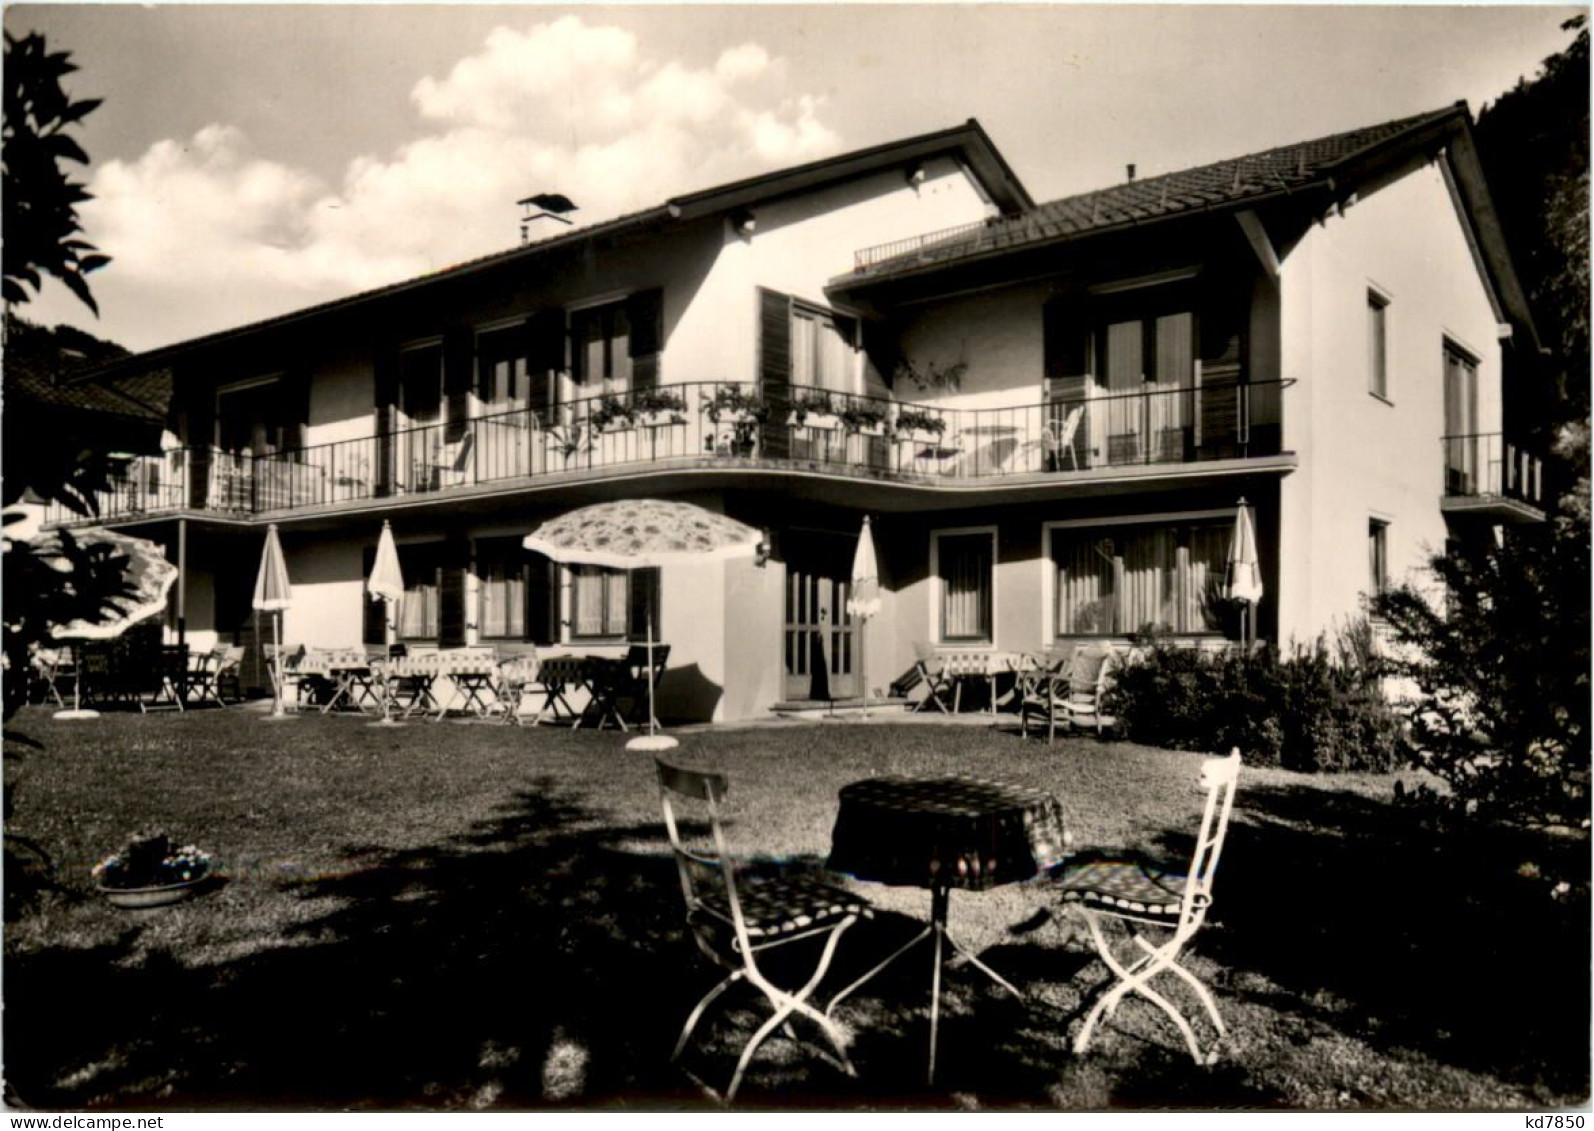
[[944, 833]]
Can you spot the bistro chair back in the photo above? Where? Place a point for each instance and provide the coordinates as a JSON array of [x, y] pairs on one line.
[[1090, 675], [938, 679], [1143, 894], [733, 921]]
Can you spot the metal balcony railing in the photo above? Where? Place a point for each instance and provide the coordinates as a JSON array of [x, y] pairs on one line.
[[1486, 464], [797, 426]]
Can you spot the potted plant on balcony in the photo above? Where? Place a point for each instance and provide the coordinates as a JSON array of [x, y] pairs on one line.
[[864, 418], [744, 411], [658, 407], [919, 425], [814, 410], [611, 415]]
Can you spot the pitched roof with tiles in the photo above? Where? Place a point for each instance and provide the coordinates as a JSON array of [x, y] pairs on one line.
[[1222, 183]]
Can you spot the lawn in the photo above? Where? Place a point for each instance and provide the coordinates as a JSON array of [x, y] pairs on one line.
[[470, 916]]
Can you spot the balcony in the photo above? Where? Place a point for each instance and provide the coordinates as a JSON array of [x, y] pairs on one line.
[[718, 425], [1488, 477]]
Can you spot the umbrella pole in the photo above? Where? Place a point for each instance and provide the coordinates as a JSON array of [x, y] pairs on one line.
[[863, 663], [276, 661], [652, 716]]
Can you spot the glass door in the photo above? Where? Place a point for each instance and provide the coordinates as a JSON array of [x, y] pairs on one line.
[[819, 644]]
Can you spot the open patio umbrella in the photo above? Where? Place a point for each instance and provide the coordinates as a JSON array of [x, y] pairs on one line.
[[114, 581], [1245, 571], [635, 533], [863, 600], [272, 595], [386, 584]]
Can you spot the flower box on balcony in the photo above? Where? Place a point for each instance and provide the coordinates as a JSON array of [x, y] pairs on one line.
[[660, 418], [824, 421]]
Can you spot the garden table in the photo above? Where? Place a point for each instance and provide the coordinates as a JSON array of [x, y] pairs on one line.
[[944, 833], [556, 675], [350, 674], [473, 673]]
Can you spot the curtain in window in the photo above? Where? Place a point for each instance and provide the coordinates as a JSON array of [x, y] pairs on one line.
[[418, 610], [600, 601], [1205, 578], [965, 566], [1086, 602], [1150, 583], [503, 599]]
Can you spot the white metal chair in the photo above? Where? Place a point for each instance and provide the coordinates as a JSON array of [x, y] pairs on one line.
[[1053, 442], [1142, 894], [734, 921]]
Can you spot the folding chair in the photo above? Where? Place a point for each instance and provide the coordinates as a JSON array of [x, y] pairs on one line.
[[734, 921], [636, 665], [56, 668], [169, 679], [609, 681], [514, 682], [1042, 691], [938, 679], [1140, 893]]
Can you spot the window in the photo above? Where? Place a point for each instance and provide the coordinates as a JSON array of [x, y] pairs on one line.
[[613, 603], [419, 612], [821, 350], [601, 348], [1377, 345], [1377, 555], [501, 587], [1114, 580], [250, 419], [965, 570], [502, 381]]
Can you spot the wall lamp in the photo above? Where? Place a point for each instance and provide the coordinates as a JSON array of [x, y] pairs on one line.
[[744, 222], [762, 551], [916, 175]]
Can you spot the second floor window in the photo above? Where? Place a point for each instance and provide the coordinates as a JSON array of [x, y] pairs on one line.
[[421, 384], [1377, 345]]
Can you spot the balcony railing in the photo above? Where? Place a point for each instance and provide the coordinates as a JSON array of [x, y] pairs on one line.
[[710, 421], [1485, 464]]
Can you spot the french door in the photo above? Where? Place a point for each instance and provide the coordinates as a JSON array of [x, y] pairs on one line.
[[819, 645]]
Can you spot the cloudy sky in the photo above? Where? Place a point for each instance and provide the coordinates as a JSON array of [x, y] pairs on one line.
[[250, 160]]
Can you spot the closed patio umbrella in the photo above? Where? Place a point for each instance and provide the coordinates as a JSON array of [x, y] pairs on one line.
[[386, 584], [863, 600], [635, 533], [116, 581], [272, 595], [1245, 571]]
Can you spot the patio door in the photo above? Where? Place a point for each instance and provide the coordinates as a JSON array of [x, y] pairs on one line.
[[819, 645]]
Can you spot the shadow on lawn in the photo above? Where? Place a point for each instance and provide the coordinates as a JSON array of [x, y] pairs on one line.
[[1379, 927], [540, 960]]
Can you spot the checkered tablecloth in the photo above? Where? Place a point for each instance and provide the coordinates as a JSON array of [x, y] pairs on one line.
[[955, 832]]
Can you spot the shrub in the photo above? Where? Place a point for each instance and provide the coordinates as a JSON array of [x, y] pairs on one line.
[[1319, 709]]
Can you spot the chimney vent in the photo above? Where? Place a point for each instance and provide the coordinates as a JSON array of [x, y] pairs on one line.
[[552, 205], [1131, 172]]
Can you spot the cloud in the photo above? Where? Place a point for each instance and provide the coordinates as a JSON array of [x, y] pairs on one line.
[[190, 218]]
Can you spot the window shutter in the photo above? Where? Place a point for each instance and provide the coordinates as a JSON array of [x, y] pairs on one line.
[[1222, 349], [458, 351], [1066, 327], [645, 309], [543, 344], [296, 408], [774, 369], [200, 400], [373, 617], [642, 596], [451, 595], [385, 376], [881, 356], [542, 600]]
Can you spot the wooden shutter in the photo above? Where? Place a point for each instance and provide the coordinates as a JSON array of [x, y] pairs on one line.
[[643, 594], [385, 377], [452, 567], [296, 408], [881, 355], [774, 369], [542, 600], [458, 354], [1220, 328], [373, 615], [1065, 331], [200, 400], [645, 309]]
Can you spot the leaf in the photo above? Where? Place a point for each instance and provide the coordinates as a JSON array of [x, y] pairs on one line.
[[92, 263], [78, 110], [64, 146]]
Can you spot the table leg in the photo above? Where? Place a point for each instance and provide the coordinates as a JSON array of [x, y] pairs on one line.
[[939, 897]]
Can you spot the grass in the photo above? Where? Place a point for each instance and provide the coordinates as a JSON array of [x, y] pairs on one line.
[[472, 916]]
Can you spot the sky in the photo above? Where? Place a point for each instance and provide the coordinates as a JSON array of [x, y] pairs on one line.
[[249, 160]]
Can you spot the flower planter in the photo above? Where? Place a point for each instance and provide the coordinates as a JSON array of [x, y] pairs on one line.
[[662, 418], [160, 895], [821, 421]]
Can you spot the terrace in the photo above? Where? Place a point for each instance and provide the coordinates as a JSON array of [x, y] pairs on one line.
[[709, 426]]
